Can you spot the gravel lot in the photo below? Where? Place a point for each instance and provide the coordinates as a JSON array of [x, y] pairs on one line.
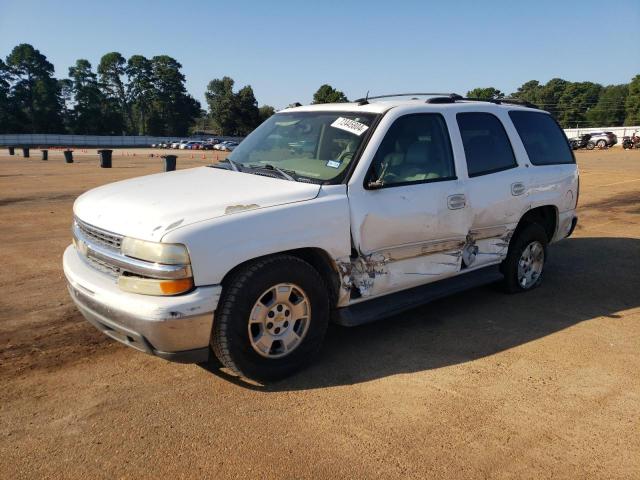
[[482, 384]]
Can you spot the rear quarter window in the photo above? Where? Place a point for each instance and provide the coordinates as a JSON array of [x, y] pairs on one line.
[[543, 139]]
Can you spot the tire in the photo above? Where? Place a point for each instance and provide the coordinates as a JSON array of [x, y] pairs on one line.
[[590, 146], [237, 343], [601, 143], [530, 234]]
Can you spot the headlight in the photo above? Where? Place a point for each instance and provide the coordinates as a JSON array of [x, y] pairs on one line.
[[166, 253], [162, 253]]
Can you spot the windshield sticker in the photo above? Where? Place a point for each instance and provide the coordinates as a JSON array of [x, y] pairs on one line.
[[334, 164], [351, 126]]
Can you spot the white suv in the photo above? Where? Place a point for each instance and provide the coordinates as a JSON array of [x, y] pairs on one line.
[[339, 212]]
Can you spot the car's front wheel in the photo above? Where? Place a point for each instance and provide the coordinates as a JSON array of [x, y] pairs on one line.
[[272, 318], [602, 143]]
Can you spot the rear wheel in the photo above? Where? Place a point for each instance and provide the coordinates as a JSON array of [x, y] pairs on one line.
[[525, 260], [272, 318], [590, 145]]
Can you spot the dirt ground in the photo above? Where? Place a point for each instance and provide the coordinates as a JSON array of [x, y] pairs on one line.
[[479, 385]]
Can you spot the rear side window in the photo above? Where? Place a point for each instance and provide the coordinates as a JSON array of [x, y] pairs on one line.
[[544, 141], [486, 145]]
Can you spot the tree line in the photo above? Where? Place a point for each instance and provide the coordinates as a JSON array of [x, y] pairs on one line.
[[147, 96], [135, 96], [578, 104], [573, 104]]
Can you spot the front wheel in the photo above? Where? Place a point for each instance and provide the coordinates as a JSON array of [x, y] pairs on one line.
[[590, 145], [272, 318], [525, 260], [602, 143]]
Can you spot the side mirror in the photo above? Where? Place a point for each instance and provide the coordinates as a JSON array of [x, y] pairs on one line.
[[375, 184]]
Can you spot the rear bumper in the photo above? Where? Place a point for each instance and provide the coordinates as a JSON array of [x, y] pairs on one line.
[[574, 222], [174, 328], [567, 222]]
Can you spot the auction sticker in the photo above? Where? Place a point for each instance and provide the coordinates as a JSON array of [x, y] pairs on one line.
[[334, 164], [351, 126]]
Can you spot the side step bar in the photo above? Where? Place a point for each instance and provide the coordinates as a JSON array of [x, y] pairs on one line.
[[394, 303]]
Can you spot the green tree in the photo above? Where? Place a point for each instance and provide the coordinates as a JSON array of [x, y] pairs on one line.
[[488, 93], [550, 95], [632, 104], [139, 92], [67, 95], [574, 102], [111, 72], [328, 94], [87, 112], [34, 95], [610, 108], [8, 123], [530, 91], [174, 110], [246, 111], [265, 111], [221, 101]]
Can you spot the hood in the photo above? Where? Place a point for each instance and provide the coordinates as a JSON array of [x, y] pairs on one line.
[[149, 207]]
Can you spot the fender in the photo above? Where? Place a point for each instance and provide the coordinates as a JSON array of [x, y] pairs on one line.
[[218, 245]]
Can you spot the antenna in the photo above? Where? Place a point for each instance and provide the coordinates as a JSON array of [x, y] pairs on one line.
[[365, 100]]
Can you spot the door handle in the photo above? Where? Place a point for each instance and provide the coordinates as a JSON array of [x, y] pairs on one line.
[[517, 189], [456, 202]]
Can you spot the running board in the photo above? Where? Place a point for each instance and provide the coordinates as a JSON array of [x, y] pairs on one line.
[[394, 303]]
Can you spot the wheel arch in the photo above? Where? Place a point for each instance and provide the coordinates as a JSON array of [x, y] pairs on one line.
[[316, 257], [546, 216]]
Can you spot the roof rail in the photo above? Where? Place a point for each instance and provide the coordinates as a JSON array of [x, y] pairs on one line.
[[449, 98], [498, 101], [365, 100]]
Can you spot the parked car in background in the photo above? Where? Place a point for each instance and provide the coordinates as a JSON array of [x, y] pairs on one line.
[[229, 146], [223, 145], [580, 141], [603, 139]]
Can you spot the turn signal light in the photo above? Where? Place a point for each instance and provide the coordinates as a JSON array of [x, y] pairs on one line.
[[150, 286]]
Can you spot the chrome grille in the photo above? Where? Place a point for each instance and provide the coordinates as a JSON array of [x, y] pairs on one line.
[[99, 236], [103, 267]]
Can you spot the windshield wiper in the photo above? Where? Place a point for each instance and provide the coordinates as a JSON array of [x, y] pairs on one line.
[[234, 165], [283, 174]]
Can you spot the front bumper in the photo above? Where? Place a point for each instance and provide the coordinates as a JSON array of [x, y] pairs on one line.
[[175, 328]]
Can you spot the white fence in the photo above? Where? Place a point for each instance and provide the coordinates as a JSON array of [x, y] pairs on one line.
[[619, 131], [54, 140]]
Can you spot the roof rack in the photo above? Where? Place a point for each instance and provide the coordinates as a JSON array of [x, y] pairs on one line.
[[365, 100], [438, 98], [498, 101]]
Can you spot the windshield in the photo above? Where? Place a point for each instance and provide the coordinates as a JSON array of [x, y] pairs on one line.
[[316, 145]]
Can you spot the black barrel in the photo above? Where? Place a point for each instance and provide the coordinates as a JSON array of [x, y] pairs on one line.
[[68, 156], [169, 162], [105, 158], [45, 154], [12, 150], [25, 152]]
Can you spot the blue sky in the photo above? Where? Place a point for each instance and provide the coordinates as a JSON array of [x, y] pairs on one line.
[[286, 49]]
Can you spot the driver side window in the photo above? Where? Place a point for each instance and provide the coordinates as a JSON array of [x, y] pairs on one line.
[[416, 149]]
